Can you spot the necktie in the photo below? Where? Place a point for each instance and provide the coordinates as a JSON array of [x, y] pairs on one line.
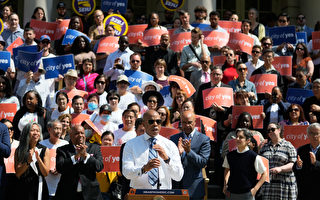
[[153, 173], [206, 77]]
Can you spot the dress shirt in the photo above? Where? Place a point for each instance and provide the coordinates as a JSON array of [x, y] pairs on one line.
[[251, 67], [135, 156], [9, 36], [203, 76], [219, 29], [181, 29], [123, 55]]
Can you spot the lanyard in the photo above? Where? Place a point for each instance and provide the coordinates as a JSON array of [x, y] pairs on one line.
[[85, 82]]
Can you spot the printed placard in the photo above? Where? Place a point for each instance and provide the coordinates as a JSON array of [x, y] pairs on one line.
[[201, 26], [184, 84], [8, 110], [108, 44], [119, 23], [111, 158], [15, 44], [266, 164], [178, 41], [77, 119], [168, 132], [43, 28], [29, 61], [316, 40], [151, 37], [73, 93], [119, 5], [219, 60], [222, 96], [9, 162], [215, 38], [230, 26], [264, 82], [240, 41], [283, 64], [62, 27], [297, 135], [5, 59], [165, 92], [71, 35], [15, 51], [232, 144], [172, 5], [302, 37], [255, 111], [83, 7], [137, 78], [135, 32], [298, 95], [93, 126], [52, 156], [58, 65], [209, 126], [281, 34]]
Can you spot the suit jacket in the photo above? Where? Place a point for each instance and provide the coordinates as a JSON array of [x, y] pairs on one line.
[[193, 162], [309, 175], [5, 150], [195, 80], [72, 173]]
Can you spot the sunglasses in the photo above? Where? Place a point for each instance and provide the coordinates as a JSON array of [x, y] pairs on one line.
[[162, 114], [282, 21], [299, 76], [300, 49], [204, 61], [151, 121], [135, 61], [271, 130], [152, 101], [229, 54], [113, 98], [45, 42], [101, 82], [253, 51], [267, 44], [300, 18], [294, 109], [242, 69], [10, 129]]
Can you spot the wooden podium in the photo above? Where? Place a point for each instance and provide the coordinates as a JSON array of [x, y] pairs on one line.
[[138, 194]]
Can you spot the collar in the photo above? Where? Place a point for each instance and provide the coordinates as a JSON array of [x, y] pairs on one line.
[[196, 46], [190, 135], [146, 136], [245, 83], [245, 150], [316, 149], [209, 72], [218, 85]]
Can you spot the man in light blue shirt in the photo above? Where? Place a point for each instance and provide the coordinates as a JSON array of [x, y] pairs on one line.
[[14, 31]]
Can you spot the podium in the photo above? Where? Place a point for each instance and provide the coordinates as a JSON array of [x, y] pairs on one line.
[[138, 194]]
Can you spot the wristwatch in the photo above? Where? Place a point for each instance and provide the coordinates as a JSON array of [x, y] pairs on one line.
[[168, 160]]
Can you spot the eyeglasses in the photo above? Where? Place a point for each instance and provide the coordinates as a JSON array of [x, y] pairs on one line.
[[271, 130], [242, 69], [135, 61], [101, 82], [216, 74], [229, 54], [300, 18], [300, 49], [253, 51], [267, 44], [151, 121], [205, 61], [2, 82], [162, 114], [282, 21], [294, 109], [152, 101], [113, 98], [299, 76], [10, 129]]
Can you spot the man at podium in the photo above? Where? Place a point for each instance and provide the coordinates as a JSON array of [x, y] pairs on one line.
[[151, 161]]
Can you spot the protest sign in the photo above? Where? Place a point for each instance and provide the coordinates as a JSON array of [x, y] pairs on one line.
[[83, 7], [240, 41], [151, 37], [230, 26], [215, 38], [52, 156], [111, 158], [208, 125], [264, 82], [178, 41], [302, 37], [137, 78], [165, 92], [61, 29], [58, 65], [232, 144], [297, 135], [298, 95], [201, 26], [73, 93], [316, 40], [119, 23], [29, 61], [255, 111], [8, 110], [283, 64], [283, 34], [119, 5], [222, 96], [93, 126], [266, 164], [43, 28], [15, 44], [5, 58], [9, 162], [108, 44], [32, 48], [183, 83], [135, 32], [77, 119], [219, 60], [71, 35], [168, 132], [172, 5]]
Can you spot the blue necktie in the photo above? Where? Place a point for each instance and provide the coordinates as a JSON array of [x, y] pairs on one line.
[[153, 173]]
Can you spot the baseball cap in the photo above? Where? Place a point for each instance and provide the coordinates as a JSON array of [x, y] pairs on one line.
[[123, 78], [45, 37], [61, 5]]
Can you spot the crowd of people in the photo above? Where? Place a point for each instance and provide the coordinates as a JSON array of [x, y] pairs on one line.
[[95, 105]]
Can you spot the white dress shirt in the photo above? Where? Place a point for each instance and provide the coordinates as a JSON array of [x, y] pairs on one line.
[[135, 156], [125, 59]]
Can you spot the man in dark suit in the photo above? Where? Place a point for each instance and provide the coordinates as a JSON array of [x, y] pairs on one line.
[[194, 148], [78, 163], [5, 150], [307, 166]]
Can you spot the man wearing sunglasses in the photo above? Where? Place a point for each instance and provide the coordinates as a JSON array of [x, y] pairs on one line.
[[203, 76], [151, 161], [301, 25], [284, 49]]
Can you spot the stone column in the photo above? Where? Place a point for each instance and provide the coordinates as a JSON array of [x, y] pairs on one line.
[[29, 7]]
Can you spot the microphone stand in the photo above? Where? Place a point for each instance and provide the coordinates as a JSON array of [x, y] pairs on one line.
[[158, 181]]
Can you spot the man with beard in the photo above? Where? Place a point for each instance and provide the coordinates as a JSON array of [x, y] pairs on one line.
[[200, 13], [29, 36]]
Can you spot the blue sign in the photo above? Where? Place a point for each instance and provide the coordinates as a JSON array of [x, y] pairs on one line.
[[302, 37], [29, 60], [201, 26], [137, 78], [120, 5], [165, 91], [58, 65], [71, 35], [33, 48], [283, 34], [5, 58], [297, 95]]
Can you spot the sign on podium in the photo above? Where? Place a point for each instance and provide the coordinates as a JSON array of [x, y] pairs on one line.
[[138, 194]]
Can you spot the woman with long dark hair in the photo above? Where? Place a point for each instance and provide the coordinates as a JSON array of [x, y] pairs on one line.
[[81, 49], [38, 14]]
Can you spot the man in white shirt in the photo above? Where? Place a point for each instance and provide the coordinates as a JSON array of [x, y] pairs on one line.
[[138, 168], [254, 63]]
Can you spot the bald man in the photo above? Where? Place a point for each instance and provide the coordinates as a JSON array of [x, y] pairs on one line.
[[151, 161], [194, 148]]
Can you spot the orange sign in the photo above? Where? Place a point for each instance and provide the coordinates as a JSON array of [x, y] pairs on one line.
[[111, 158], [178, 41], [232, 144], [215, 38], [222, 96], [62, 26], [94, 127], [135, 32], [52, 155], [168, 132], [264, 82], [9, 162], [283, 64], [209, 125], [240, 41], [255, 112], [73, 93], [316, 40], [77, 119], [8, 110], [230, 26], [15, 44], [220, 60], [43, 28], [183, 83], [266, 164], [108, 44], [151, 37], [297, 135]]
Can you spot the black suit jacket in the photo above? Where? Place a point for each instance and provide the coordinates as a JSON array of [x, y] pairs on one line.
[[85, 172]]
